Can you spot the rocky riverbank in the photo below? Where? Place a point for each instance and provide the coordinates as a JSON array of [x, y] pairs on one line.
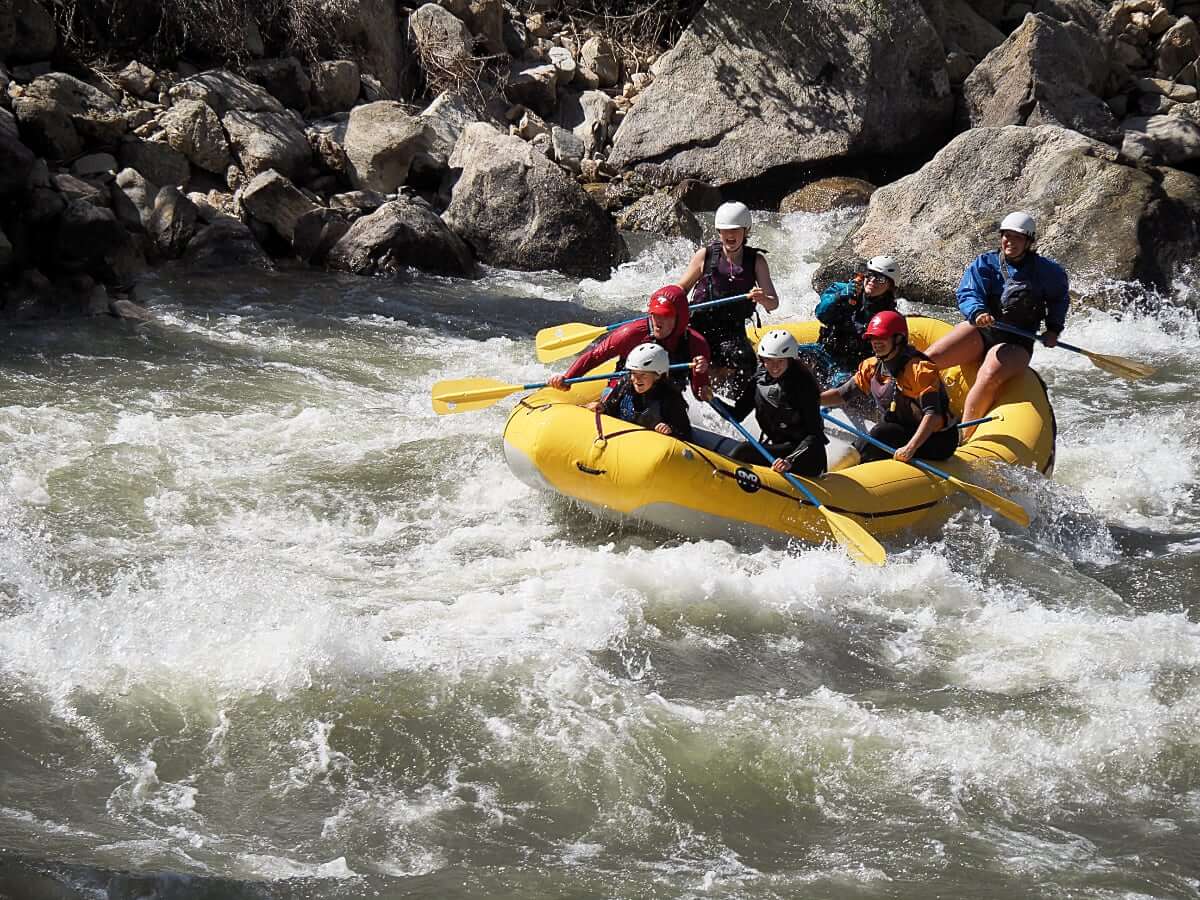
[[550, 140]]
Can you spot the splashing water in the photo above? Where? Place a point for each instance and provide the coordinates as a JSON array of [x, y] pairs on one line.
[[269, 621]]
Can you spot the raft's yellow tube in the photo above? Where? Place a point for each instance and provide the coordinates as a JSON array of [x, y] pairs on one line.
[[552, 442]]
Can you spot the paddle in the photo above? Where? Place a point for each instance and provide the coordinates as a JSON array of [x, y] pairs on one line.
[[1114, 365], [974, 422], [848, 533], [1002, 505], [466, 394], [560, 341]]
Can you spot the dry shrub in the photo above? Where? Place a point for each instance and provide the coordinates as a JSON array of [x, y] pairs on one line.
[[639, 29], [445, 69], [164, 31]]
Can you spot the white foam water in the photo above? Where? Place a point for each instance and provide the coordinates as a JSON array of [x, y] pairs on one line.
[[281, 621]]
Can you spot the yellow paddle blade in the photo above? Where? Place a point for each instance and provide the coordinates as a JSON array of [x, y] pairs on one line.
[[1010, 509], [1119, 366], [466, 394], [857, 541], [560, 341]]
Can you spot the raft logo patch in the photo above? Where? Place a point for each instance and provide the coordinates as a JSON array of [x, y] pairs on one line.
[[747, 480]]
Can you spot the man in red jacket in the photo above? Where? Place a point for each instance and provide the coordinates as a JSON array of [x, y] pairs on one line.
[[666, 324]]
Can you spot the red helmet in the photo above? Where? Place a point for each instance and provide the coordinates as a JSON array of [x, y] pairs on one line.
[[665, 301], [885, 325]]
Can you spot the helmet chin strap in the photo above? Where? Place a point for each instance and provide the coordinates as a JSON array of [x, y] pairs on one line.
[[897, 342]]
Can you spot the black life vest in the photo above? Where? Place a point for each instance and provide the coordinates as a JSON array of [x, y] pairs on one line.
[[728, 321], [681, 354], [774, 404], [897, 406], [645, 409], [1020, 303], [843, 339]]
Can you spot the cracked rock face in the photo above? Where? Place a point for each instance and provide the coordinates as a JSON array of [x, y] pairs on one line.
[[770, 85]]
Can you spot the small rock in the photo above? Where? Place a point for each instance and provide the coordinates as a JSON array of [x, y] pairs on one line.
[[93, 165], [127, 309], [138, 80]]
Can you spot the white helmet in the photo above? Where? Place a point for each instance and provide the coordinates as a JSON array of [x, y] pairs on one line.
[[885, 266], [648, 358], [733, 215], [1021, 223], [778, 344]]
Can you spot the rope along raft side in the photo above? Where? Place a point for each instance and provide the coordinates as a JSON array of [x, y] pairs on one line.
[[622, 471]]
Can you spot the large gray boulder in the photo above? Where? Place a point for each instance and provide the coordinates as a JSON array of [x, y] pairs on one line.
[[284, 79], [444, 120], [158, 161], [518, 210], [16, 160], [401, 233], [193, 128], [133, 199], [272, 199], [223, 243], [139, 80], [172, 222], [589, 115], [374, 27], [441, 39], [1174, 140], [334, 86], [224, 91], [35, 37], [58, 113], [268, 140], [1088, 14], [1099, 218], [753, 85], [1178, 48], [381, 141], [1046, 73], [965, 29], [660, 213]]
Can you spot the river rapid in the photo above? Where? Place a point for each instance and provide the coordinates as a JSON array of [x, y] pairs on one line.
[[269, 627]]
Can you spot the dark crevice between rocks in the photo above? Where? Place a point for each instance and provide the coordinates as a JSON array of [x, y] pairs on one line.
[[765, 191]]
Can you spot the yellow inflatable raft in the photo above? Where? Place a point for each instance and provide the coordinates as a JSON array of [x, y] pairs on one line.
[[621, 470]]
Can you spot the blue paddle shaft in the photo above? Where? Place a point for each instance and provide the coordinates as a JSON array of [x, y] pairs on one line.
[[881, 445], [1040, 338], [724, 413], [618, 374], [704, 305], [974, 422]]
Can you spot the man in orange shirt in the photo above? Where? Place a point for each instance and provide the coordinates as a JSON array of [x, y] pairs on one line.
[[909, 392]]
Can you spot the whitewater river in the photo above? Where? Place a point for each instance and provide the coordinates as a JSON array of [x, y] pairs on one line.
[[271, 628]]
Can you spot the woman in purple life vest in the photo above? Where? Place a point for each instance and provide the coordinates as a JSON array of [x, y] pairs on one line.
[[725, 268]]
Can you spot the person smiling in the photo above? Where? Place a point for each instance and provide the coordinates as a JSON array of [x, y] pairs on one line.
[[1015, 286], [646, 396], [784, 397], [727, 267], [846, 307], [665, 324], [908, 391]]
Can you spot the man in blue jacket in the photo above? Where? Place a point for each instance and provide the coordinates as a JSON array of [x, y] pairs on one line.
[[1016, 286]]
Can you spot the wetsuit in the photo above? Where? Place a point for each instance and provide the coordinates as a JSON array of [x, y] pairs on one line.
[[788, 410], [662, 403]]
